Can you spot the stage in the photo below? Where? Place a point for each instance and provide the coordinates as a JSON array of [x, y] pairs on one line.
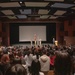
[[30, 45]]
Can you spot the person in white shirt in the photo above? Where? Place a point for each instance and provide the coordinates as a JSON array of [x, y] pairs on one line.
[[53, 40], [28, 59], [45, 63]]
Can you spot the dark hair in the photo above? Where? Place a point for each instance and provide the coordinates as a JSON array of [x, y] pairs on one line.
[[63, 63], [36, 53], [5, 58], [28, 53], [1, 73], [44, 51], [35, 68], [16, 61], [16, 70]]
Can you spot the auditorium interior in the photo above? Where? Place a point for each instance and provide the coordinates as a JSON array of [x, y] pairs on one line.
[[37, 22], [57, 15]]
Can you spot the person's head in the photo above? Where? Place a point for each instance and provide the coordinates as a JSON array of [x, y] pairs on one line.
[[63, 63], [28, 53], [16, 70], [5, 59], [44, 52], [37, 55], [17, 60], [35, 67]]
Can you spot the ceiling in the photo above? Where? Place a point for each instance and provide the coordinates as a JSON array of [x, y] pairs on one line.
[[36, 9]]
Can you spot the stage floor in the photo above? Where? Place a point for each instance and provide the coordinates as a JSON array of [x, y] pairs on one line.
[[30, 45]]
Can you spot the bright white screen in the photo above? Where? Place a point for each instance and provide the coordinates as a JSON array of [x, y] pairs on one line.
[[27, 33]]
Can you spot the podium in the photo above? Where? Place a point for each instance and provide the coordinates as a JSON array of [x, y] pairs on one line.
[[56, 43]]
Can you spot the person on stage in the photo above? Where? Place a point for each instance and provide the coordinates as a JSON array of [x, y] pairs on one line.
[[53, 40], [35, 39]]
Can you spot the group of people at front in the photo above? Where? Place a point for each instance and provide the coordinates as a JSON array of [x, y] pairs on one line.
[[36, 61]]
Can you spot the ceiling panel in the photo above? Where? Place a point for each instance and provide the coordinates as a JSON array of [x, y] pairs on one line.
[[62, 5], [36, 4], [44, 16], [7, 12], [59, 12], [10, 4], [11, 17], [22, 16], [25, 11], [43, 11]]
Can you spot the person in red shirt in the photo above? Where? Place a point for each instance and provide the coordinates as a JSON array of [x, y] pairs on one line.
[[52, 58]]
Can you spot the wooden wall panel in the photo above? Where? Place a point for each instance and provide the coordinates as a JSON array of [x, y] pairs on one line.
[[65, 25], [71, 29]]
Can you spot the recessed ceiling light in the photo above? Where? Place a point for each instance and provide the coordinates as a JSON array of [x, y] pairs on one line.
[[20, 2]]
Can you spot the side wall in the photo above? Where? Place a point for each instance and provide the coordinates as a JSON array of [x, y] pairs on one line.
[[69, 32]]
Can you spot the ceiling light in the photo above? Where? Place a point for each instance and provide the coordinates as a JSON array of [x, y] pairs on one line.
[[20, 2]]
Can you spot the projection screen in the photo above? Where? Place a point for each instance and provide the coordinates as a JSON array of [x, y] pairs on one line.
[[28, 33]]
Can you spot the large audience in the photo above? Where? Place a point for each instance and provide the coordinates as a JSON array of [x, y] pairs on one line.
[[37, 60]]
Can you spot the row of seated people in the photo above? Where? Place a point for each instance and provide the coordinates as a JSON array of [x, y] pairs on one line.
[[37, 60]]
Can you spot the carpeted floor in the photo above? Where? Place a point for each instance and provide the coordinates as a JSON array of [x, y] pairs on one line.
[[51, 72]]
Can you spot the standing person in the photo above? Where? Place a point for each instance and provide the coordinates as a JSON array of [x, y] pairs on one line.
[[5, 63], [35, 39], [53, 40], [28, 59], [52, 59], [45, 63], [63, 64], [17, 69], [35, 66]]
